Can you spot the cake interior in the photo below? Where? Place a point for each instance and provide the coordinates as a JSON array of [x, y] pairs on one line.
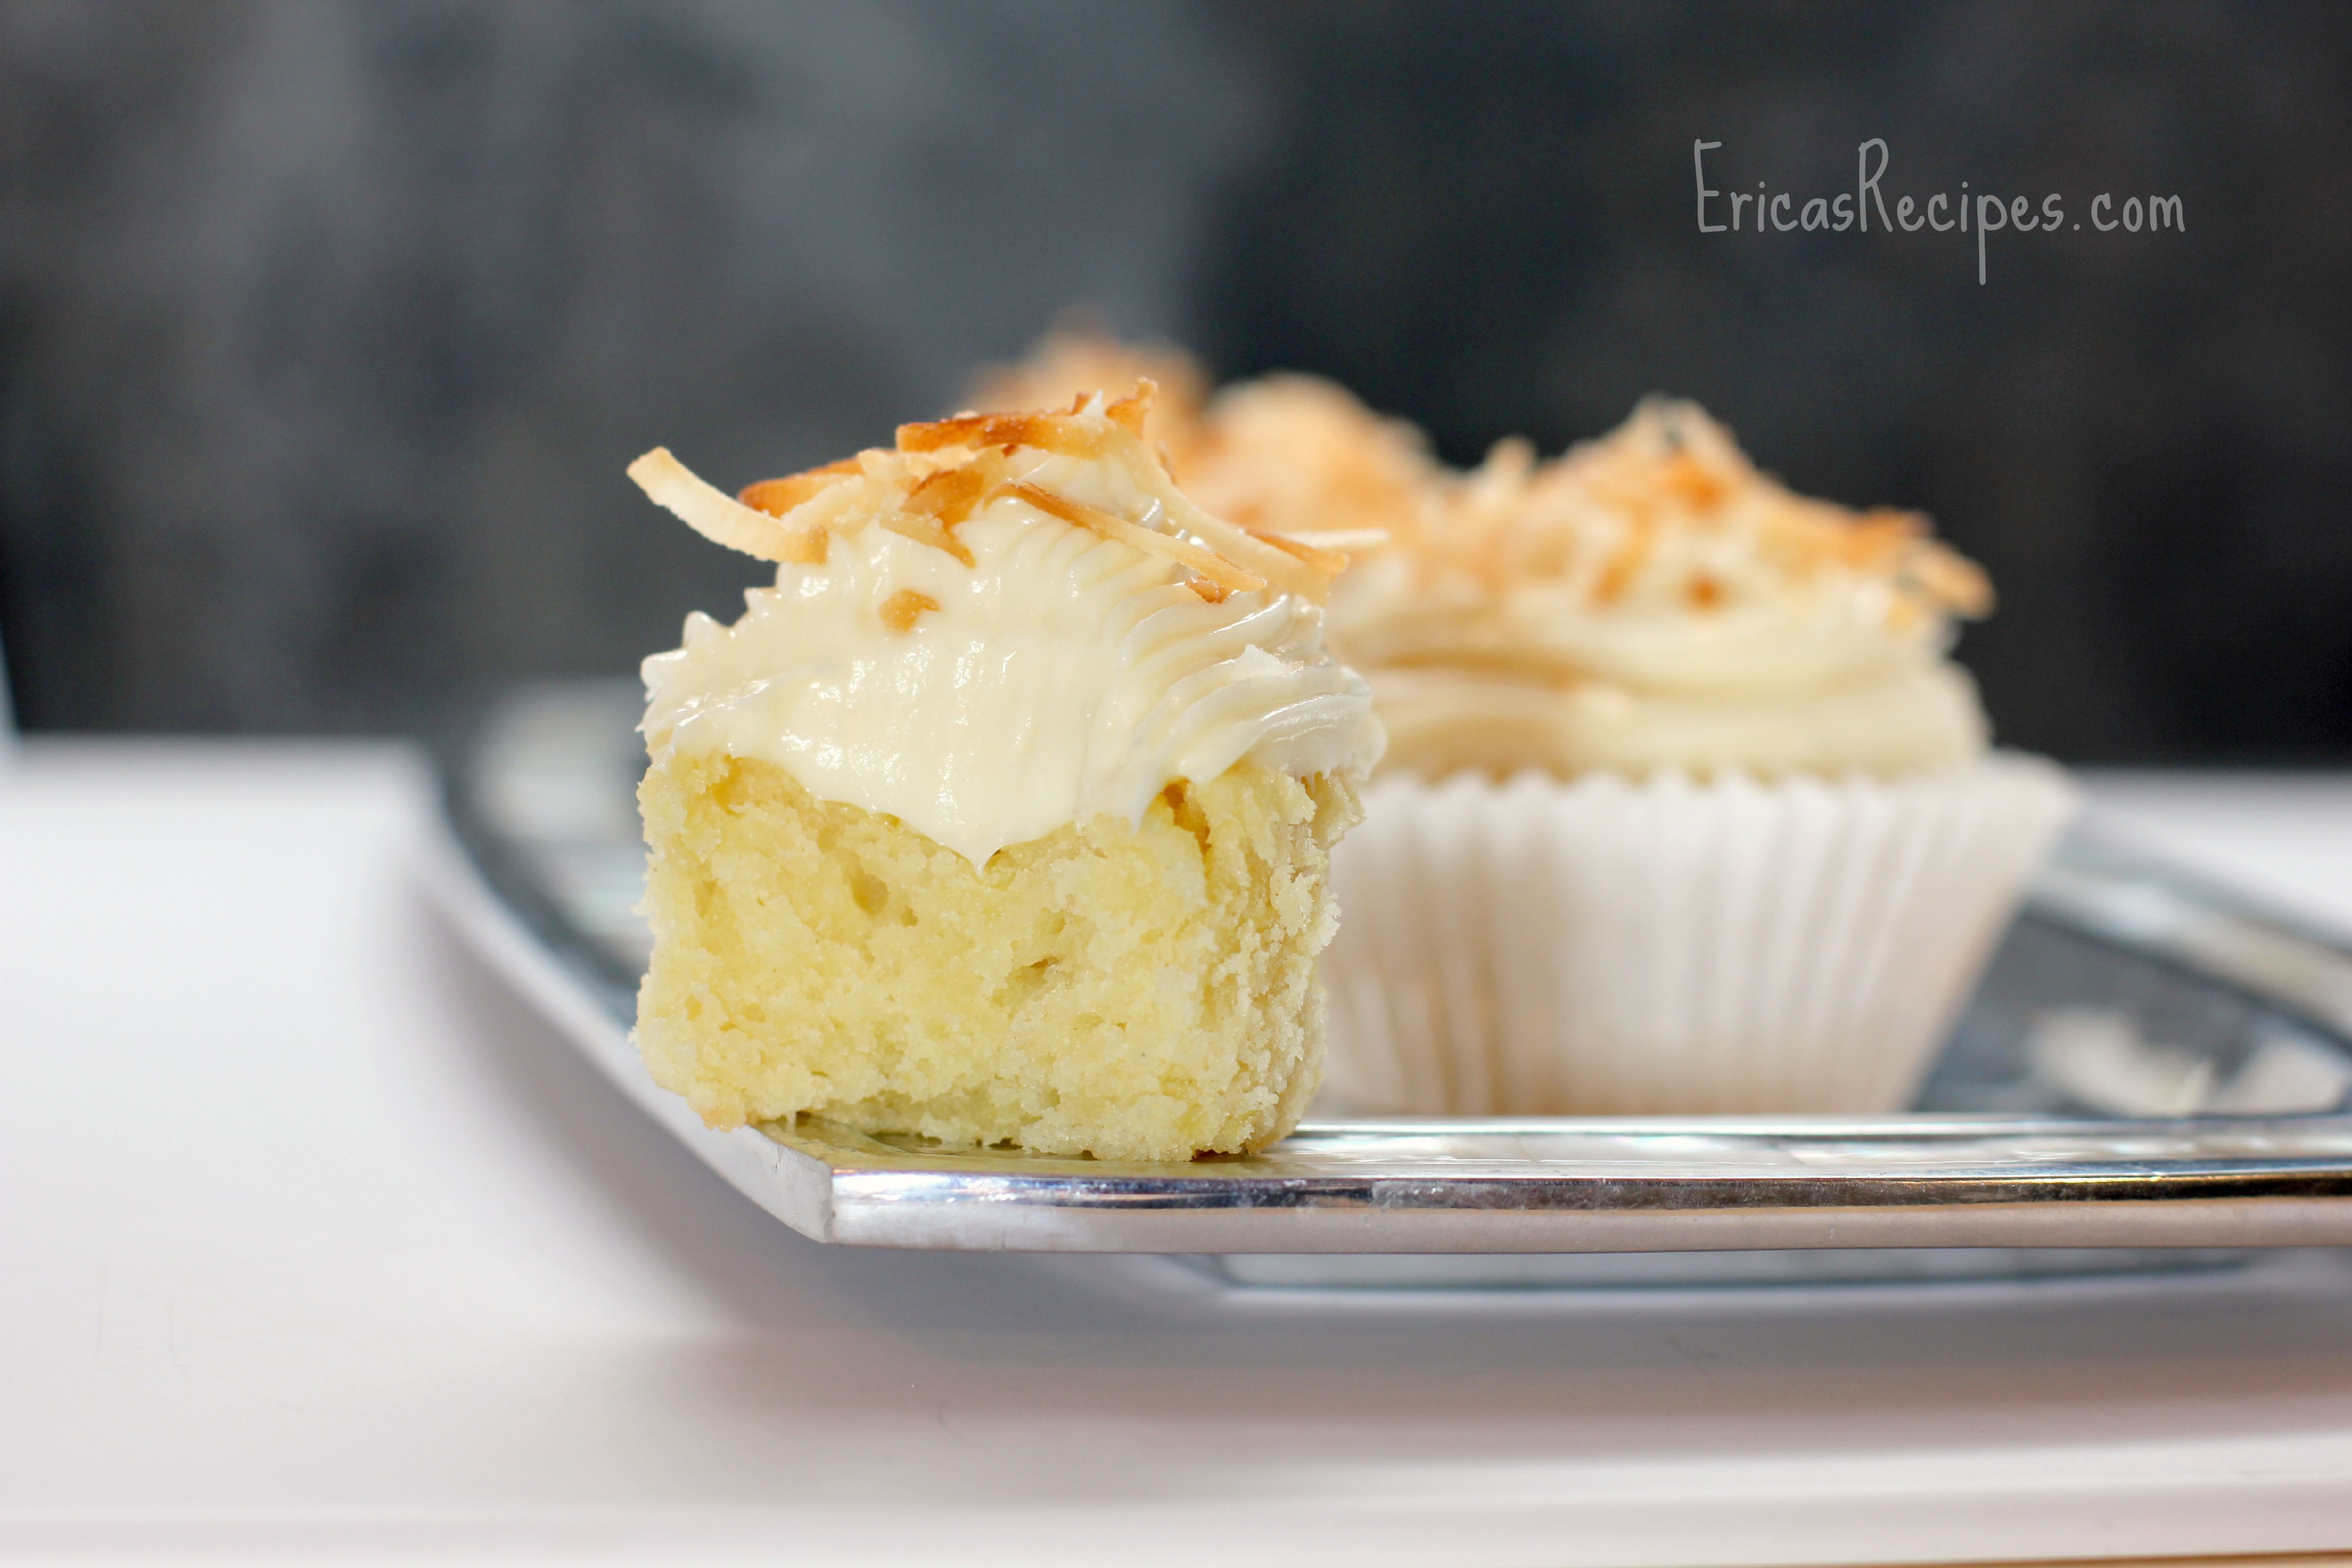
[[1133, 991]]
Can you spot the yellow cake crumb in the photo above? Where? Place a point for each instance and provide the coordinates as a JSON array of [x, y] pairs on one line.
[[1132, 992]]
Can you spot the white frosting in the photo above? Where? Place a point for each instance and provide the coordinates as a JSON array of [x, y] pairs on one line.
[[1651, 602], [1799, 639], [1440, 721], [1062, 675], [1802, 683]]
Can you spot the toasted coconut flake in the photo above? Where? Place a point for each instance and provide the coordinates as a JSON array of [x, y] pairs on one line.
[[1208, 564], [1629, 559], [924, 529], [1079, 355], [1063, 435], [719, 517], [899, 611], [1691, 481], [1951, 580], [948, 495], [1344, 541], [1284, 568], [1236, 543], [1333, 562], [777, 496], [1131, 411]]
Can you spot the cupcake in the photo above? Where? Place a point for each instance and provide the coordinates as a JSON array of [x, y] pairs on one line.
[[1685, 807], [1005, 817]]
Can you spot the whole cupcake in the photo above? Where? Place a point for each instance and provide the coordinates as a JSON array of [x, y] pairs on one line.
[[1685, 808]]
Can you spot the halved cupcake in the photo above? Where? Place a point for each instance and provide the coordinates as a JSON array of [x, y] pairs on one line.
[[1004, 816]]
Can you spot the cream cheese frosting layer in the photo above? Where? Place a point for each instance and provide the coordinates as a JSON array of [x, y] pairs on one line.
[[1060, 674], [1796, 641], [1651, 601], [1441, 721]]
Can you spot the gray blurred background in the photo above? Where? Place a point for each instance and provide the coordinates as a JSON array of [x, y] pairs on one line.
[[326, 327]]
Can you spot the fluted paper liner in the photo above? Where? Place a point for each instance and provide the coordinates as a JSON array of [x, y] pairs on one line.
[[1614, 947]]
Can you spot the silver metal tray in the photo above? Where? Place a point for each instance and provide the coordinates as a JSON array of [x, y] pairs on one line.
[[2123, 989]]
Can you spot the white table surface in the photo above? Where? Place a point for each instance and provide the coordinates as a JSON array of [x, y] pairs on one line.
[[315, 1244]]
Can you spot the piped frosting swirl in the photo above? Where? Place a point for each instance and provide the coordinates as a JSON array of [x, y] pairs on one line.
[[1004, 624]]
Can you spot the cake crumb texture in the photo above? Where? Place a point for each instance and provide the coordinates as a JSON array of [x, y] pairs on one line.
[[1132, 992]]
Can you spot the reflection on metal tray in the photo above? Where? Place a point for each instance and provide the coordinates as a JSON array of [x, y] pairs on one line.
[[2148, 1064]]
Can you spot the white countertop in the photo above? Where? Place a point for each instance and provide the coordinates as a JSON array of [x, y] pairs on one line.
[[315, 1244]]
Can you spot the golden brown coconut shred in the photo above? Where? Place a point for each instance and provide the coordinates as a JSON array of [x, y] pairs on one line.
[[943, 471], [1599, 518], [1289, 457]]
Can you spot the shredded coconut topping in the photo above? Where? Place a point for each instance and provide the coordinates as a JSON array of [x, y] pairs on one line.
[[1666, 512], [940, 472]]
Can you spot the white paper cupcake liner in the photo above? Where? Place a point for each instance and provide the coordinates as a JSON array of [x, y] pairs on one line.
[[1613, 947]]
